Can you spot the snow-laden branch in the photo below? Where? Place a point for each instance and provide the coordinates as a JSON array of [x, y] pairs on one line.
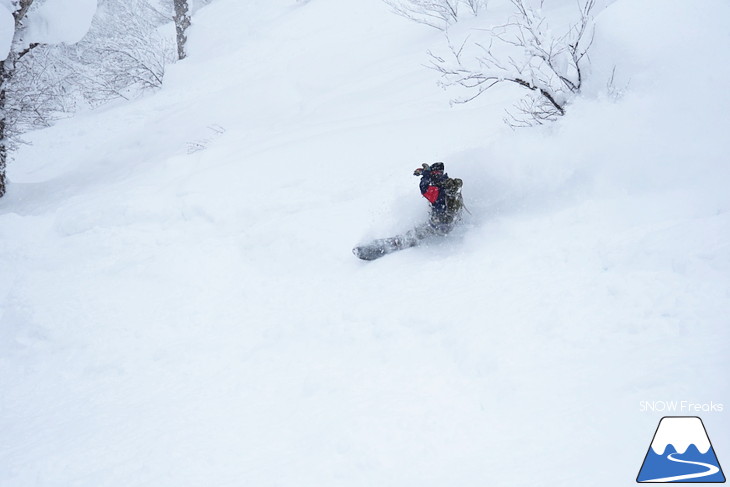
[[526, 52]]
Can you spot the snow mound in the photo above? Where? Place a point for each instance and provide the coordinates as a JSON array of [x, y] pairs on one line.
[[7, 30], [59, 21]]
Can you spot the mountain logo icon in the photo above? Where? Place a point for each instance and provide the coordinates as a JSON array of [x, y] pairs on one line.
[[680, 452]]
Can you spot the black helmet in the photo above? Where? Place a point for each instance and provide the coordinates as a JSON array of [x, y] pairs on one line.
[[437, 166]]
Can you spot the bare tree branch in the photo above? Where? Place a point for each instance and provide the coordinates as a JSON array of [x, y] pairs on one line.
[[439, 14], [525, 52]]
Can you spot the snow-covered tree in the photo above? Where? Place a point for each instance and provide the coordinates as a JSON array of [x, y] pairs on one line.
[[526, 52], [11, 16], [25, 26]]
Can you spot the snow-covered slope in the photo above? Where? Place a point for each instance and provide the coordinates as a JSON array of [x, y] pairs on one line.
[[179, 304]]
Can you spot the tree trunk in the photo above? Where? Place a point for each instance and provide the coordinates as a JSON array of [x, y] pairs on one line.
[[3, 128], [182, 22], [7, 69]]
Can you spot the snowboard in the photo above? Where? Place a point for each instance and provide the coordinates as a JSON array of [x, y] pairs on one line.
[[382, 247]]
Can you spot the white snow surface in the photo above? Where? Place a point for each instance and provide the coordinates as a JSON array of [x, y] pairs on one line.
[[7, 29], [59, 21], [179, 304], [681, 432]]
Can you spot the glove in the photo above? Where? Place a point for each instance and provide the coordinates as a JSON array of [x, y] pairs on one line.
[[424, 168]]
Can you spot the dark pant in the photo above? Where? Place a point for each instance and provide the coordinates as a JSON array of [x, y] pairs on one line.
[[434, 227]]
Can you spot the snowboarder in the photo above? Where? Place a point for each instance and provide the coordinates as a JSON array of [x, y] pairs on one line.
[[444, 195]]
